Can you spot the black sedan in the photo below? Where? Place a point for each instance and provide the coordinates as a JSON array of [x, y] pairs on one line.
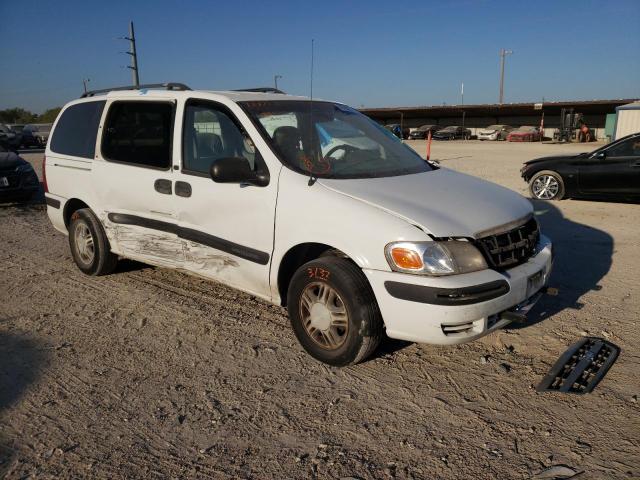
[[609, 171], [18, 181], [452, 132], [422, 132]]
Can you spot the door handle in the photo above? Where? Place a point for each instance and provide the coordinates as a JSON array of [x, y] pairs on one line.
[[183, 189], [637, 164], [162, 185]]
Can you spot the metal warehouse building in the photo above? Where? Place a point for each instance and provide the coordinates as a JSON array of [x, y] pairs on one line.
[[627, 119], [478, 116]]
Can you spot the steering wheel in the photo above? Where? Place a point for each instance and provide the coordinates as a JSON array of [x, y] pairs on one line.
[[346, 148]]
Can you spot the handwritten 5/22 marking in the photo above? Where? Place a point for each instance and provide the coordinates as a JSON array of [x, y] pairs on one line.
[[318, 272]]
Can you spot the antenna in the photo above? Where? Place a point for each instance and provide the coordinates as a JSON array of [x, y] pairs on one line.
[[312, 177]]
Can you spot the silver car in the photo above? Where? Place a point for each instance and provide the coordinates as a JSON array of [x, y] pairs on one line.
[[495, 132]]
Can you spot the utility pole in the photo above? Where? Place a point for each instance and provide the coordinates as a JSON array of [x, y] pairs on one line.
[[503, 54], [275, 80], [462, 95], [134, 57]]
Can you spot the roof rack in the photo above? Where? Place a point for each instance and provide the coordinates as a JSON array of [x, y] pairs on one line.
[[157, 86], [259, 90]]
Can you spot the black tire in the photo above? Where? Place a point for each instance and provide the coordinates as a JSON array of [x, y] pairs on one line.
[[558, 178], [102, 262], [365, 326]]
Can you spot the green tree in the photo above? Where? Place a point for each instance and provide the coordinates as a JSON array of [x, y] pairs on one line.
[[17, 115], [49, 116]]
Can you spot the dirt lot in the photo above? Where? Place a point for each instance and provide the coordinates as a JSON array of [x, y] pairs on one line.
[[150, 373]]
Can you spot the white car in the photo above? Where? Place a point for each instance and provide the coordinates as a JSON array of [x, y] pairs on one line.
[[356, 240], [494, 132]]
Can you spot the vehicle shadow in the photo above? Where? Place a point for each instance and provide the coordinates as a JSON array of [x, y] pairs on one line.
[[22, 360], [583, 256]]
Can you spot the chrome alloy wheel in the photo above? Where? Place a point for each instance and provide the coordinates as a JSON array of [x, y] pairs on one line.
[[545, 187], [324, 315], [84, 243]]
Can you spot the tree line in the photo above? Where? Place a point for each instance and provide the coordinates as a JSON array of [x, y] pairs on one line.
[[22, 116]]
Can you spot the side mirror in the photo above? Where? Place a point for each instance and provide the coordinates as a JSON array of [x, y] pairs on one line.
[[237, 170], [601, 155]]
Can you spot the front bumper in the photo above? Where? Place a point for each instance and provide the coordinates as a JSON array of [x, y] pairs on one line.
[[458, 308], [487, 136]]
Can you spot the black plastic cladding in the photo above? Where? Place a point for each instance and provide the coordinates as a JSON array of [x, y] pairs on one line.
[[581, 367]]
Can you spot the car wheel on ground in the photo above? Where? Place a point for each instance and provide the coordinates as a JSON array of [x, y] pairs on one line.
[[546, 185], [333, 311], [90, 247]]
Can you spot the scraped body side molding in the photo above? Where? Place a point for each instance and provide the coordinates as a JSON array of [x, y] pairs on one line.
[[197, 236]]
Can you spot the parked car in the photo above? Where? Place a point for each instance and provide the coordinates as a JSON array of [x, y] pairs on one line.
[[452, 133], [524, 134], [9, 139], [35, 135], [236, 187], [17, 128], [18, 181], [423, 132], [612, 170], [495, 132], [398, 131]]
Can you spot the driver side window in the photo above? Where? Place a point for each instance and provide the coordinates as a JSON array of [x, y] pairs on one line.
[[211, 134], [627, 148]]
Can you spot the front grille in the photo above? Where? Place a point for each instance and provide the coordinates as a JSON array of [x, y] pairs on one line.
[[511, 248], [581, 367]]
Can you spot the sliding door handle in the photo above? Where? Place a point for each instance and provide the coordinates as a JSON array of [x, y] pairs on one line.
[[163, 185], [183, 189]]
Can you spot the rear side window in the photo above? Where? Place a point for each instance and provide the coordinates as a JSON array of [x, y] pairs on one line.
[[76, 131], [139, 133]]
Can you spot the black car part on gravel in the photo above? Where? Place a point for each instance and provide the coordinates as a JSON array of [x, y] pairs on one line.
[[581, 367]]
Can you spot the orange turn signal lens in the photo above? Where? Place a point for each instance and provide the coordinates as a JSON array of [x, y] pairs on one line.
[[407, 259]]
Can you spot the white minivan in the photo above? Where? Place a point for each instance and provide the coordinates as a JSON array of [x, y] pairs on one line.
[[307, 204]]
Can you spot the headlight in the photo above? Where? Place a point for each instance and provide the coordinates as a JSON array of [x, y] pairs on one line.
[[434, 258]]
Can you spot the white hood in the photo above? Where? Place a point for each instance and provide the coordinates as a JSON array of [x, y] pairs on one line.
[[442, 202]]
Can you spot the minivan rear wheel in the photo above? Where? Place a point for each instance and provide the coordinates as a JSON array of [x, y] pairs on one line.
[[89, 245], [333, 311]]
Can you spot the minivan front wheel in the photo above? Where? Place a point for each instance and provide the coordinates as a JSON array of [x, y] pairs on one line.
[[333, 311], [89, 244]]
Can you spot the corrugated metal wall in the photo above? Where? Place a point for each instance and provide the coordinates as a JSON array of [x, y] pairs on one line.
[[628, 120]]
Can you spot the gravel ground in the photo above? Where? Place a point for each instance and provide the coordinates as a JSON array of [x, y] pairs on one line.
[[152, 373]]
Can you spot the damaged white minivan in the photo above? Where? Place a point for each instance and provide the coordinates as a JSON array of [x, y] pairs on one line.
[[307, 204]]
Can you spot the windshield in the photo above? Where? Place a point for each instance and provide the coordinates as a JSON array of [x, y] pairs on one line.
[[525, 129], [494, 127], [329, 140], [449, 129], [43, 128]]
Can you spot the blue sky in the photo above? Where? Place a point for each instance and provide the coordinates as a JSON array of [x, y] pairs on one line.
[[371, 53]]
